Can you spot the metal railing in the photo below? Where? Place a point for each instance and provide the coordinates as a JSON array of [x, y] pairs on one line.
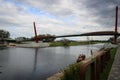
[[97, 63]]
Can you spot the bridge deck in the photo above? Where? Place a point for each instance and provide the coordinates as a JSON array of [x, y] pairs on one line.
[[99, 33]]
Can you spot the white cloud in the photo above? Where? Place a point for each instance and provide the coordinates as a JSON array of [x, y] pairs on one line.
[[70, 17]]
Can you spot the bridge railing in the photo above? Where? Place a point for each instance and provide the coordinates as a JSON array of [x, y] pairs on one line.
[[97, 63]]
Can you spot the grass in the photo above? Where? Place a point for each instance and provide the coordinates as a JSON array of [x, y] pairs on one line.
[[72, 72], [106, 71], [55, 44]]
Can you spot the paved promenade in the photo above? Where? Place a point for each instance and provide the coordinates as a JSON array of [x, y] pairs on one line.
[[115, 70]]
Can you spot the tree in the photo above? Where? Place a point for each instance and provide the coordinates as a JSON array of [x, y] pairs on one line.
[[65, 42], [46, 37], [4, 34]]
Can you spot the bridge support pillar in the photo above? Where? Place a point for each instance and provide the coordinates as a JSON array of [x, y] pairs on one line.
[[116, 25], [36, 38]]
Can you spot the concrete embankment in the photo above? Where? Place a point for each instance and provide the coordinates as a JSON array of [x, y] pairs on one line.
[[56, 76], [33, 45]]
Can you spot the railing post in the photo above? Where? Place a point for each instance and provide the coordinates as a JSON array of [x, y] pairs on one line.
[[82, 72], [98, 67], [92, 71], [83, 69], [101, 62], [108, 54]]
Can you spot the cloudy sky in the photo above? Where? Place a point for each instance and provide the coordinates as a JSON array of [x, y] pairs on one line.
[[57, 17]]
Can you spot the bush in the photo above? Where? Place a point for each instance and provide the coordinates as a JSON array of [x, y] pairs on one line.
[[72, 72]]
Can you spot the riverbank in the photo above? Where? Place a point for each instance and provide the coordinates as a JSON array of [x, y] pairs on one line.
[[56, 44], [29, 45], [2, 46], [33, 45]]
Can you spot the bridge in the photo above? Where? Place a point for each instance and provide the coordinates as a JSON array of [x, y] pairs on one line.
[[100, 33]]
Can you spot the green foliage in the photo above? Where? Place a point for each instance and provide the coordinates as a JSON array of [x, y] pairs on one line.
[[65, 42], [94, 59], [72, 72], [4, 34], [113, 52], [78, 43], [50, 39], [106, 71], [88, 73], [70, 43], [54, 44]]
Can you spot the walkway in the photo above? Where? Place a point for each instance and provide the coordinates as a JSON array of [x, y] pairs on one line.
[[115, 70]]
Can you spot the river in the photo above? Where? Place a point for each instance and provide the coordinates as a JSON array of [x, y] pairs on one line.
[[38, 64]]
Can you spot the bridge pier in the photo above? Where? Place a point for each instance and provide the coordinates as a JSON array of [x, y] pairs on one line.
[[116, 25], [36, 38]]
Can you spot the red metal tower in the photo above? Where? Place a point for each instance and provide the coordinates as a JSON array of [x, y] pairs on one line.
[[116, 24], [36, 37]]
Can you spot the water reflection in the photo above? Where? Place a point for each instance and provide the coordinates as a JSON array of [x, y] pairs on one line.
[[35, 60]]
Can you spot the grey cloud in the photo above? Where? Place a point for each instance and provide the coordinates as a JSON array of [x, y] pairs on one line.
[[98, 14], [44, 2], [49, 2], [104, 10], [55, 7], [40, 4]]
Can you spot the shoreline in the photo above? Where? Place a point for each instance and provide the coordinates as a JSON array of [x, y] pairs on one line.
[[24, 46]]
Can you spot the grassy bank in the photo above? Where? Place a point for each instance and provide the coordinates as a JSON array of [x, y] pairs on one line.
[[106, 71], [73, 71], [55, 44]]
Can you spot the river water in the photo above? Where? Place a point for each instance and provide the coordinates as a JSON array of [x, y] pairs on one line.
[[38, 64]]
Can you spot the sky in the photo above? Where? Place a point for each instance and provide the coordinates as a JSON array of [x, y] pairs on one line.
[[58, 17]]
